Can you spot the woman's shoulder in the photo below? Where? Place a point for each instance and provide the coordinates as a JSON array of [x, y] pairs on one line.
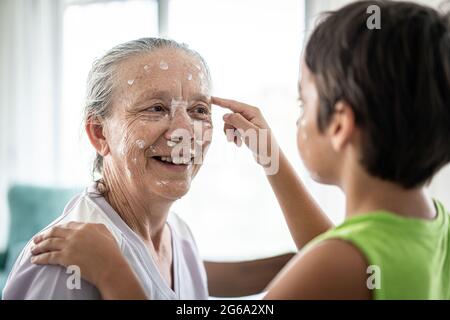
[[332, 269], [79, 209], [82, 208]]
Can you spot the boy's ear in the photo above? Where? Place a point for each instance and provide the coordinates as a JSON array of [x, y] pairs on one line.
[[95, 130], [342, 125]]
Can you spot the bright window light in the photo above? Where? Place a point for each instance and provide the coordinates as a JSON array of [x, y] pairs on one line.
[[89, 31], [253, 49]]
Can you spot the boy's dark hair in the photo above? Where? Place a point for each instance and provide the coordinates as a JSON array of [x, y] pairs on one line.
[[396, 80]]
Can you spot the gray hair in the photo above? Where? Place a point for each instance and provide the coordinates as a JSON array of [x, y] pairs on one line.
[[101, 84]]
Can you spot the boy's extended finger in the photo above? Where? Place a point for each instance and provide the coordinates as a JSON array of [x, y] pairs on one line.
[[235, 106]]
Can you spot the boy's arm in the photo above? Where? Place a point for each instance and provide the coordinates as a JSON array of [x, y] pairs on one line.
[[303, 216], [333, 269], [237, 279]]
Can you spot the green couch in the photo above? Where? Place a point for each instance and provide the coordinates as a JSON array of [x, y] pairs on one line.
[[31, 208]]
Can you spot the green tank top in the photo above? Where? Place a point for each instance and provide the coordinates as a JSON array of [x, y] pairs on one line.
[[411, 255]]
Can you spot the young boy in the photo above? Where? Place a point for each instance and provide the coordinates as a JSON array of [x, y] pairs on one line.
[[376, 123]]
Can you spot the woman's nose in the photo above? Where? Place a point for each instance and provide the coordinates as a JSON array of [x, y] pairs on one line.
[[181, 126]]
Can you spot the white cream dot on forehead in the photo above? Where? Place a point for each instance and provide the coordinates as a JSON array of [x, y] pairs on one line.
[[189, 77], [146, 67], [163, 65], [130, 82]]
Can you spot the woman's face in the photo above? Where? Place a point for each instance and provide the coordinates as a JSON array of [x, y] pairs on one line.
[[160, 127], [314, 146]]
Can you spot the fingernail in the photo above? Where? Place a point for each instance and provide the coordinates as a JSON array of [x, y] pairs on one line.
[[226, 116]]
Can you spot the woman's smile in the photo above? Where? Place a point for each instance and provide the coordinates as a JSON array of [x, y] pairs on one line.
[[172, 164]]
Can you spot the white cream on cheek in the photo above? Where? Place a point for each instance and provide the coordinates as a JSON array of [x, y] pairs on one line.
[[123, 151], [163, 65], [162, 183], [140, 143], [123, 146]]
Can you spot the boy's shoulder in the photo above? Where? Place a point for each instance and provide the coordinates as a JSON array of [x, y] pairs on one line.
[[341, 275]]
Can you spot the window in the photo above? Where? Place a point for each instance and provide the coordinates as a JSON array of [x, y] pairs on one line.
[[253, 49], [89, 30]]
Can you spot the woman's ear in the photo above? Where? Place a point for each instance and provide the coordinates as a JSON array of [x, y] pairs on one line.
[[95, 130], [342, 125]]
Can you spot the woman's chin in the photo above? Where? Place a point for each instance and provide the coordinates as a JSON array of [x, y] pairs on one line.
[[172, 190]]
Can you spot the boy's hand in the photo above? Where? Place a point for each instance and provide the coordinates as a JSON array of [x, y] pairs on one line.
[[248, 124], [89, 246]]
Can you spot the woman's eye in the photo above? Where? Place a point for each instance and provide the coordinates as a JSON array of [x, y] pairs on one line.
[[156, 108], [200, 110]]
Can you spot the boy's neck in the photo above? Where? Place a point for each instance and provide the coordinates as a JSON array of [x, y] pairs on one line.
[[365, 193]]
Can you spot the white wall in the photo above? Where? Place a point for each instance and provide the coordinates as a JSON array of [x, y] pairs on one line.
[[3, 126], [29, 93]]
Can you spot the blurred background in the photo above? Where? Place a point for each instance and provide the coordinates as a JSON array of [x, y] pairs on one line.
[[252, 48]]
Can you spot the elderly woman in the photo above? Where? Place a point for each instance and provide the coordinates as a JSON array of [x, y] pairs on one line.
[[148, 115]]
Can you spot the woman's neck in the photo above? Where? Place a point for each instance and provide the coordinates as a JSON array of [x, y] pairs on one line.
[[365, 193], [145, 215]]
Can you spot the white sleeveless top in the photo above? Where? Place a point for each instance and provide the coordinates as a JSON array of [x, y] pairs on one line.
[[29, 281]]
